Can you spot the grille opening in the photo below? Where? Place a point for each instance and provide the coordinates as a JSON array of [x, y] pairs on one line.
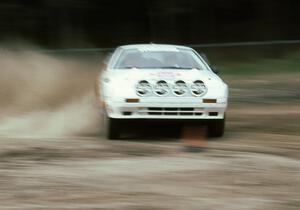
[[127, 113], [186, 109], [170, 113], [155, 109], [171, 109], [186, 113], [213, 113], [167, 111], [155, 113]]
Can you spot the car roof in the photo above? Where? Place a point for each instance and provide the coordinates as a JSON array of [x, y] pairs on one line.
[[155, 47]]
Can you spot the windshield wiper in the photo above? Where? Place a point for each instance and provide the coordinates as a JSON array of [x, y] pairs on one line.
[[157, 67], [177, 67], [128, 67]]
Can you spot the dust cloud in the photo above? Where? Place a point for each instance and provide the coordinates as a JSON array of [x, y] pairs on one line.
[[44, 95]]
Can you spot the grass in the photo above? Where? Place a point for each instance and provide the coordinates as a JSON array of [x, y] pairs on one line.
[[287, 64]]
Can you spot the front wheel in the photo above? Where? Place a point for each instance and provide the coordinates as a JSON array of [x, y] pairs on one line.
[[216, 128], [111, 128]]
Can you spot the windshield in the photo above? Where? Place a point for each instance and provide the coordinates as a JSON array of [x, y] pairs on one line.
[[179, 59]]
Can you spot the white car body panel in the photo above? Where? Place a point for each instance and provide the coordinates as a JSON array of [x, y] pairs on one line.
[[117, 85]]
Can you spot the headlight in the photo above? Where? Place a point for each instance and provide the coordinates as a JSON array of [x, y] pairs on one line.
[[143, 88], [180, 88], [161, 88], [198, 88]]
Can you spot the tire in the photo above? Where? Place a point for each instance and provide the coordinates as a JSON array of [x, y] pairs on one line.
[[111, 128], [216, 128]]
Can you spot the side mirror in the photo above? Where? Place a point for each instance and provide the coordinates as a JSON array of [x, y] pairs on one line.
[[215, 70], [105, 61], [107, 57], [205, 58]]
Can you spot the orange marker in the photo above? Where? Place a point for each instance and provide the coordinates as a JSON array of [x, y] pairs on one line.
[[193, 137]]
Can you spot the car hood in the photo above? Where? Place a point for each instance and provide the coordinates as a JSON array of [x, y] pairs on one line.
[[134, 75]]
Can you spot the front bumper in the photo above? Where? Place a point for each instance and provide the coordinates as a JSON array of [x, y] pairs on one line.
[[167, 109]]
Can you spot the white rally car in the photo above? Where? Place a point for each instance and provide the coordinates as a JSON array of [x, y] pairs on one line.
[[161, 82]]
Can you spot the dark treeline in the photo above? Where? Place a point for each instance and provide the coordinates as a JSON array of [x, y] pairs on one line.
[[107, 23]]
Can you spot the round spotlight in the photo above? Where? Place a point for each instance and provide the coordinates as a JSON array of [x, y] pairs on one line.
[[198, 88], [143, 88], [161, 88], [180, 88]]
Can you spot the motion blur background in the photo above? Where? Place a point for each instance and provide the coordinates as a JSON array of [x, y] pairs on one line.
[[77, 24], [86, 23]]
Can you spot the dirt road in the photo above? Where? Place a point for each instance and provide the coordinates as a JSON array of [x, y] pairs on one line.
[[244, 171], [53, 157]]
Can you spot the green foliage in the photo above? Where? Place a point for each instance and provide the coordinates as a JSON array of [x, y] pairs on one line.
[[287, 64]]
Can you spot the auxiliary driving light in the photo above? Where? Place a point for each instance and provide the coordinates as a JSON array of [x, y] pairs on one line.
[[161, 88], [180, 88], [143, 88], [198, 88]]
